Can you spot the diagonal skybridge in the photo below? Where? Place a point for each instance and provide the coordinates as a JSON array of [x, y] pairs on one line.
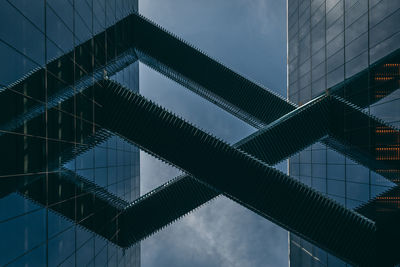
[[137, 227], [266, 191]]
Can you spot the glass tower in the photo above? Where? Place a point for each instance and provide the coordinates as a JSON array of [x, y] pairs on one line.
[[352, 45], [60, 172]]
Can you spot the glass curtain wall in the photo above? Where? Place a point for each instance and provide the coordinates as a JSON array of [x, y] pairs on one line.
[[55, 159], [330, 44]]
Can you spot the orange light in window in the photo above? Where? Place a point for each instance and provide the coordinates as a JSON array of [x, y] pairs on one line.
[[391, 65], [389, 153], [383, 78], [390, 200]]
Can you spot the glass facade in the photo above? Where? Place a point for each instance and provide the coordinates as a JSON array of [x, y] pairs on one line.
[[351, 45], [60, 172]]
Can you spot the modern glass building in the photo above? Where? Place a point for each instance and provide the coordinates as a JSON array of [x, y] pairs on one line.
[[60, 172], [70, 112], [351, 46]]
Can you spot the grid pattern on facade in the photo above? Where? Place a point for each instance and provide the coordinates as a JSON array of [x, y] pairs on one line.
[[45, 227], [330, 42], [48, 128]]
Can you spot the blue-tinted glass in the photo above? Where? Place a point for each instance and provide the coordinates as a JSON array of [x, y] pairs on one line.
[[57, 224], [84, 10], [112, 255], [21, 34], [120, 157], [22, 234], [9, 73], [85, 252], [294, 169], [70, 261], [357, 173], [357, 191], [305, 156], [82, 236], [334, 157], [319, 170], [345, 55], [120, 189], [61, 37], [353, 204], [86, 160], [127, 171], [35, 258], [83, 31], [340, 200], [25, 226], [378, 190], [335, 262], [120, 143], [305, 170], [100, 246], [100, 156], [101, 257], [303, 180], [87, 174], [63, 10], [61, 247], [112, 157], [19, 203], [32, 10], [101, 176], [99, 15], [110, 13], [121, 259], [336, 188], [70, 165], [319, 184], [112, 175], [377, 179], [336, 172], [112, 188], [320, 255]]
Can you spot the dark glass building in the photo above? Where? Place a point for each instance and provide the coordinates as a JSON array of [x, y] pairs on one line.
[[59, 171], [351, 45], [70, 113]]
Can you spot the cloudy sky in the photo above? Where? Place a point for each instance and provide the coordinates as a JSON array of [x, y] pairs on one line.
[[248, 36]]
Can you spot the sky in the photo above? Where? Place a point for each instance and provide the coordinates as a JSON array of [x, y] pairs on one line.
[[249, 36]]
